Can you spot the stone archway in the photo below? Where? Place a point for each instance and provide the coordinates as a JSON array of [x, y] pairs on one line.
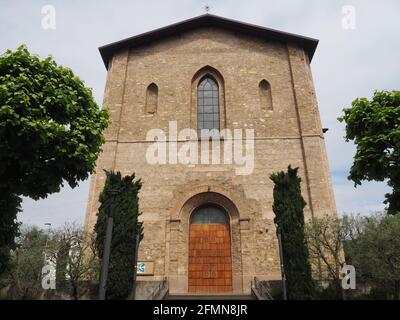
[[178, 257]]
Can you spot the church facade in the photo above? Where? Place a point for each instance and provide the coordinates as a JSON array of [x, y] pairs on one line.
[[208, 225]]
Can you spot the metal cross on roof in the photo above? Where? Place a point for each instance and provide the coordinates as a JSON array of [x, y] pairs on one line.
[[207, 8]]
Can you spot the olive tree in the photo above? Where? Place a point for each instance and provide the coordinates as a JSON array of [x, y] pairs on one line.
[[376, 253], [24, 276]]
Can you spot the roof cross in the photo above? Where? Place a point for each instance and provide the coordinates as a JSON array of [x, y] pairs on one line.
[[207, 8]]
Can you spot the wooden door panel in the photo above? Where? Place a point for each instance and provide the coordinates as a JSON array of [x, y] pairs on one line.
[[210, 263]]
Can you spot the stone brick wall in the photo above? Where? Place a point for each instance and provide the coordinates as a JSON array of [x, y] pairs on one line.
[[290, 133]]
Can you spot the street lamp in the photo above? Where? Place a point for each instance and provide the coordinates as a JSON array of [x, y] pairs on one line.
[[107, 244], [138, 229], [48, 225], [279, 235]]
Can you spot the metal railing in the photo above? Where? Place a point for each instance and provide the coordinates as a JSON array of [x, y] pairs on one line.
[[162, 286], [261, 289]]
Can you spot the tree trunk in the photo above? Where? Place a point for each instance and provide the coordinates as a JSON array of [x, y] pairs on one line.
[[25, 295], [397, 289], [74, 292], [339, 287], [344, 294]]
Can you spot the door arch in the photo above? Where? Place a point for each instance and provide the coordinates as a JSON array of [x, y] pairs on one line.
[[210, 261]]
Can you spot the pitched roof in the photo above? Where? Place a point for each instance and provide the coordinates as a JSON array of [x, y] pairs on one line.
[[208, 20]]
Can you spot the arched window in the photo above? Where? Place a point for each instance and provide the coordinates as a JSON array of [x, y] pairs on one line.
[[265, 95], [152, 98], [208, 116], [209, 214]]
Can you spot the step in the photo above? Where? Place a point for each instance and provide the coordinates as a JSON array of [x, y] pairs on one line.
[[208, 297]]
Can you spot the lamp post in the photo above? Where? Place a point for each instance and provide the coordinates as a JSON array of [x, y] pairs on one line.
[[48, 225], [279, 235], [138, 227], [107, 245]]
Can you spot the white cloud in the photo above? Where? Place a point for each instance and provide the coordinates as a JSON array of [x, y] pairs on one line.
[[364, 199]]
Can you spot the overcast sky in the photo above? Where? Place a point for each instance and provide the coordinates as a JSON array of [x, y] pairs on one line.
[[348, 63]]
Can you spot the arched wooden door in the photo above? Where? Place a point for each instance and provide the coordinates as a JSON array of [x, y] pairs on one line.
[[210, 262]]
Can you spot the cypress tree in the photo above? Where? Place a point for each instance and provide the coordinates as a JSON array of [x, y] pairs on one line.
[[288, 208], [123, 244]]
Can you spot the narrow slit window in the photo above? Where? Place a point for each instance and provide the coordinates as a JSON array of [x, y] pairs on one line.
[[151, 98], [265, 95]]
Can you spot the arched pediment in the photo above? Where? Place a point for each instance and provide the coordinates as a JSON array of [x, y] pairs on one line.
[[207, 69]]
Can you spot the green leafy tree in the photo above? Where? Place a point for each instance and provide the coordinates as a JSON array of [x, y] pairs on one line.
[[50, 132], [23, 277], [375, 253], [288, 208], [122, 257], [374, 126]]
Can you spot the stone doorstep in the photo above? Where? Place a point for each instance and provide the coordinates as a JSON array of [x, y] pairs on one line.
[[209, 297], [212, 296]]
